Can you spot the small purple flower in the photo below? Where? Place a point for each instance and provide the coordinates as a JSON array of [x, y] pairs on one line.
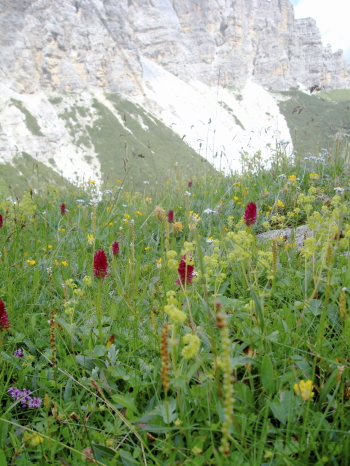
[[18, 353], [35, 402], [24, 397]]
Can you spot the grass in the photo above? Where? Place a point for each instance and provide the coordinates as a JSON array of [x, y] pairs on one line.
[[135, 369], [24, 173], [315, 120], [130, 144]]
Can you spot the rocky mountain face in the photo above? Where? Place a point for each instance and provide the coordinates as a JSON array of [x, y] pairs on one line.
[[84, 83], [69, 45]]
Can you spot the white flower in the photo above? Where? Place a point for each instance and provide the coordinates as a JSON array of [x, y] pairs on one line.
[[187, 193], [120, 187], [80, 201], [146, 182], [107, 191], [209, 240], [209, 211], [95, 200], [281, 176], [339, 190], [125, 205]]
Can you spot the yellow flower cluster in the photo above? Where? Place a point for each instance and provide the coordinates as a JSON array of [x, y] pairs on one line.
[[172, 263], [304, 389], [176, 316], [192, 343], [242, 245]]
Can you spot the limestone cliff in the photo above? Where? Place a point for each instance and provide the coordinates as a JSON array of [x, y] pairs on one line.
[[69, 45]]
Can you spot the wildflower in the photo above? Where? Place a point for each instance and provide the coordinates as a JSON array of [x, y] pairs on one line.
[[87, 280], [4, 318], [250, 214], [100, 264], [159, 213], [185, 270], [18, 353], [177, 226], [145, 182], [107, 191], [63, 208], [80, 201], [209, 211], [115, 248], [32, 439], [196, 450], [90, 239], [94, 201], [304, 389], [187, 193], [192, 343], [314, 176], [49, 246], [92, 181], [189, 184], [159, 263], [1, 221], [147, 248], [171, 216], [24, 397], [61, 229], [64, 263], [30, 262], [176, 316]]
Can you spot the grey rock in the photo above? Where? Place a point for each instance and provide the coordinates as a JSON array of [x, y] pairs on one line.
[[70, 45], [296, 236]]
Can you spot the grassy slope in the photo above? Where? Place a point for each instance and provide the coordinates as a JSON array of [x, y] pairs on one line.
[[26, 172], [131, 151], [316, 121]]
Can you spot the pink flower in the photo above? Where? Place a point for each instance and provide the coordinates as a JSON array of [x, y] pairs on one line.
[[250, 214], [171, 216], [4, 318], [189, 184], [63, 208], [185, 271], [1, 222], [115, 248], [100, 264]]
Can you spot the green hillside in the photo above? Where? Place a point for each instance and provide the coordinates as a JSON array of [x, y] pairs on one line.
[[132, 145], [26, 172], [315, 120]]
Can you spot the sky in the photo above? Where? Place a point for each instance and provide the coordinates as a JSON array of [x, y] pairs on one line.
[[332, 17]]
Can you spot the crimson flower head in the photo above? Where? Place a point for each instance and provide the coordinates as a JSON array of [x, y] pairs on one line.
[[63, 208], [250, 214], [115, 248], [171, 216], [1, 222], [185, 271], [189, 184], [100, 264], [4, 318]]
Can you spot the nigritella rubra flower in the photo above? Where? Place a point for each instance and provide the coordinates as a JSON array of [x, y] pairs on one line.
[[115, 248], [171, 216], [63, 208], [250, 214], [1, 221], [4, 318], [100, 264], [185, 270]]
